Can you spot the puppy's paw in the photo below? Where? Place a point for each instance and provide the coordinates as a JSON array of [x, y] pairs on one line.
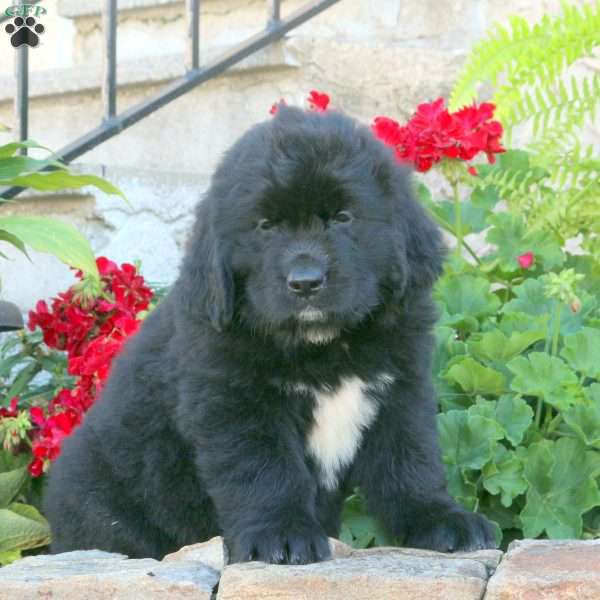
[[296, 544], [453, 531]]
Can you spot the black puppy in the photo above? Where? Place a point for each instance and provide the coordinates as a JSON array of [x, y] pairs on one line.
[[289, 363]]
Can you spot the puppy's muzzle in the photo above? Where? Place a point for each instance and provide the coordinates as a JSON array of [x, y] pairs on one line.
[[305, 280]]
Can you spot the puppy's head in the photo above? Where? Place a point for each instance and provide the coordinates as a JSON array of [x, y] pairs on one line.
[[308, 227]]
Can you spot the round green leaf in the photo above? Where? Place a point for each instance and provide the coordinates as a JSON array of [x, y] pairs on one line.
[[504, 476], [515, 416], [467, 441], [582, 351], [544, 376], [474, 378], [562, 486]]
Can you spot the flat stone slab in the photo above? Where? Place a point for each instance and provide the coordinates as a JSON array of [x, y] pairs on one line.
[[194, 572], [96, 575], [548, 570], [364, 575]]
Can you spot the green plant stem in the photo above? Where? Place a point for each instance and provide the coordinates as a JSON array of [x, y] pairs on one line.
[[457, 218], [447, 227], [556, 333], [556, 421], [471, 252], [538, 412]]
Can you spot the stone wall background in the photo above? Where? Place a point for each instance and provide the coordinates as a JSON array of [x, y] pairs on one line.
[[372, 56]]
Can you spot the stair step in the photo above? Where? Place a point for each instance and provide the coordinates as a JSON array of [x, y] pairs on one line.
[[159, 69], [73, 9]]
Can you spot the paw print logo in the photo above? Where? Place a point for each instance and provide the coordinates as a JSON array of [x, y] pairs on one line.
[[24, 31]]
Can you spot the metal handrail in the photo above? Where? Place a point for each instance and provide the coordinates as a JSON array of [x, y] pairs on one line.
[[114, 123]]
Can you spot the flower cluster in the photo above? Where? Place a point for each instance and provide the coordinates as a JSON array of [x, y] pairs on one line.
[[433, 134], [92, 332]]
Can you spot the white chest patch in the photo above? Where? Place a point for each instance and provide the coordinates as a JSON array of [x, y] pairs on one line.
[[340, 417]]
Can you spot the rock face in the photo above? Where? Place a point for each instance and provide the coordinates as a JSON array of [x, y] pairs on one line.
[[366, 574], [548, 570], [95, 575], [530, 570]]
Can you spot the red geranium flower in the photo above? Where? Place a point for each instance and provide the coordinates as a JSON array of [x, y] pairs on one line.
[[92, 334], [318, 101], [434, 134]]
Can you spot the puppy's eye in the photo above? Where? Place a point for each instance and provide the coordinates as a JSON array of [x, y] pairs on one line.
[[343, 216], [265, 224]]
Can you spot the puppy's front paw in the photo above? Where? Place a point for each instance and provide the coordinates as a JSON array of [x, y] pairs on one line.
[[296, 544], [453, 531]]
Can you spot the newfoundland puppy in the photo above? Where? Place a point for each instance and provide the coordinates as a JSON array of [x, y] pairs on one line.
[[289, 363]]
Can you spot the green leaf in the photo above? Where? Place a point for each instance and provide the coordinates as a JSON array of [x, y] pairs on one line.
[[9, 149], [467, 441], [474, 378], [473, 217], [59, 180], [446, 347], [518, 322], [493, 509], [512, 238], [11, 167], [9, 557], [54, 237], [530, 299], [360, 529], [515, 416], [504, 476], [5, 236], [544, 376], [460, 487], [496, 346], [22, 528], [483, 408], [10, 484], [582, 351], [23, 378], [584, 418], [8, 364], [467, 295], [562, 486]]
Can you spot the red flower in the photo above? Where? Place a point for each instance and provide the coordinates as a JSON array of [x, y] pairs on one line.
[[473, 171], [433, 134], [387, 130], [318, 101], [526, 260], [12, 411], [92, 334], [36, 467]]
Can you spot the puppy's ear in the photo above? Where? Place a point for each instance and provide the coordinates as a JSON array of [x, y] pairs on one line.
[[419, 245], [205, 284]]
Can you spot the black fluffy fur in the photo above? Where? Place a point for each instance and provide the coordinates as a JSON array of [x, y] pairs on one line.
[[197, 432]]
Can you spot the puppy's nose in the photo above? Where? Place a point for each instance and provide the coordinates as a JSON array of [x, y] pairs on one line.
[[305, 280]]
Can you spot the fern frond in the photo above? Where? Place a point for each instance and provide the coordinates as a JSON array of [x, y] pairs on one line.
[[570, 104], [514, 185], [526, 55]]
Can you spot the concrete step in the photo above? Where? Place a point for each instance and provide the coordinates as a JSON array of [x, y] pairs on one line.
[[143, 72], [156, 27]]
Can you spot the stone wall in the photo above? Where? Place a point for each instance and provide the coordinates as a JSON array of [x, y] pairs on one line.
[[372, 56], [530, 570]]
